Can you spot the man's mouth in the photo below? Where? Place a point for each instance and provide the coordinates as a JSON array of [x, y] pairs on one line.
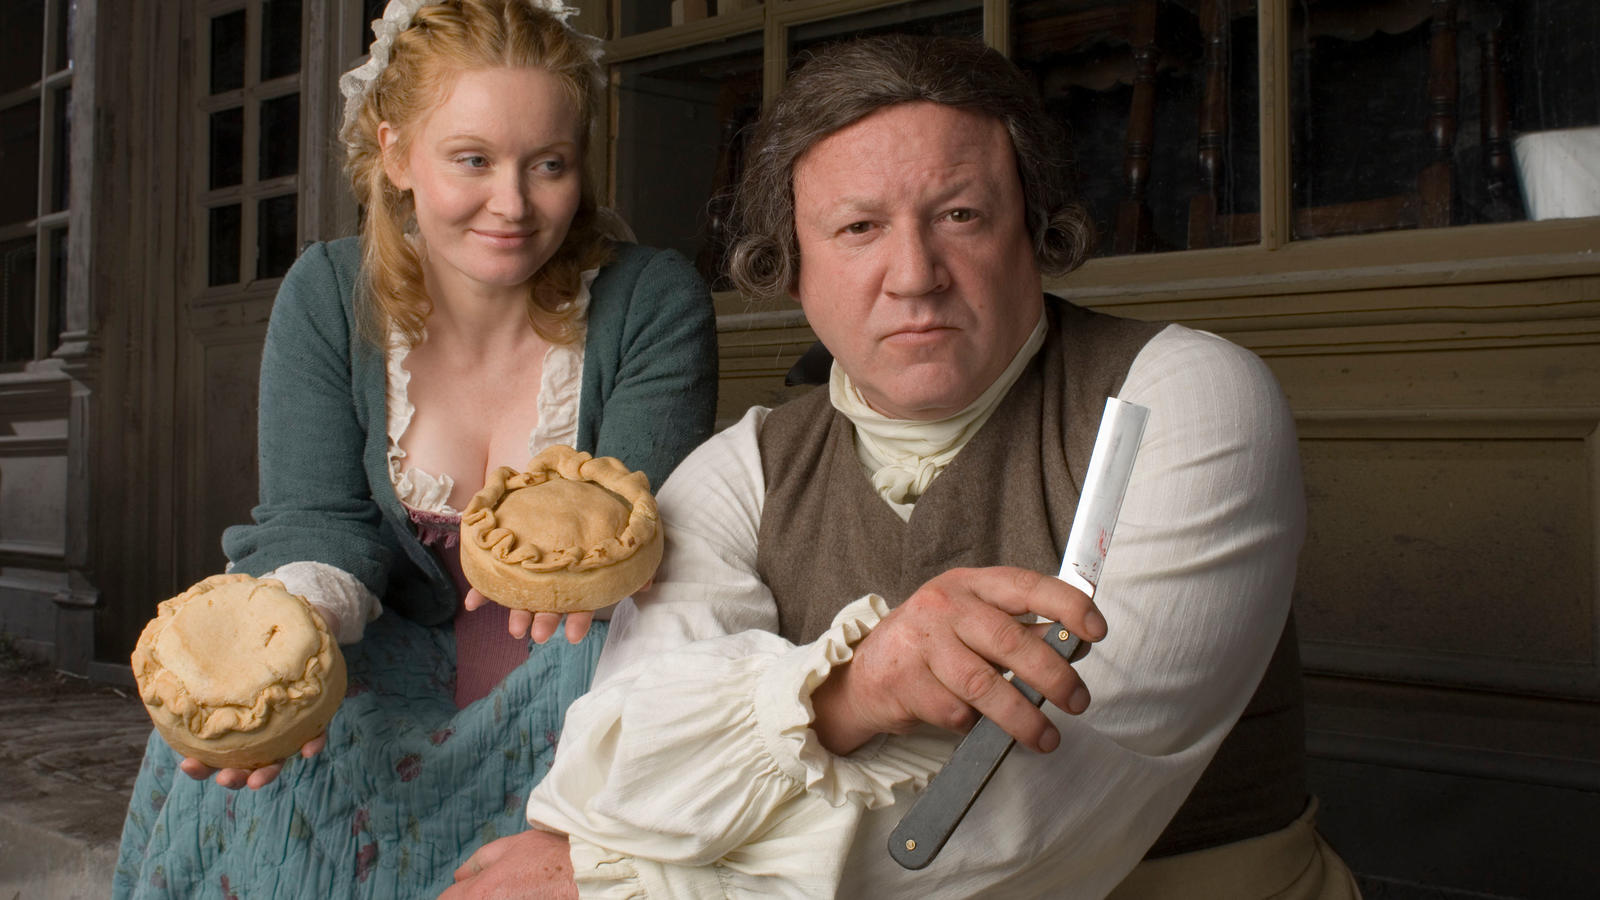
[[921, 326]]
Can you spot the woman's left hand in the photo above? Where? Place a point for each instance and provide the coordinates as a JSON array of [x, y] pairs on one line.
[[254, 779], [541, 626]]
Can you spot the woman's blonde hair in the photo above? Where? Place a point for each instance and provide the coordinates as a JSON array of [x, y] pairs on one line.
[[444, 40]]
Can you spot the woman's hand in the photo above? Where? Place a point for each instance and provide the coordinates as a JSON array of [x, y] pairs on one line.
[[541, 626], [254, 779]]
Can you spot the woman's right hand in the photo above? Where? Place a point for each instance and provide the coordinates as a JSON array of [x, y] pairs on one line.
[[254, 779], [540, 626]]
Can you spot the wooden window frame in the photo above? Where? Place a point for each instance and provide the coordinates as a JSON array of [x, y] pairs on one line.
[[330, 209], [56, 75], [251, 191], [1277, 265]]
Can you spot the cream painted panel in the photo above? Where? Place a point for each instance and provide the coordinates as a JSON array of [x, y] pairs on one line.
[[33, 497], [33, 467], [1474, 547], [1551, 371], [755, 351]]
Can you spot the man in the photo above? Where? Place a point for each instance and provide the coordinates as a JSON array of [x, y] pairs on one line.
[[844, 575]]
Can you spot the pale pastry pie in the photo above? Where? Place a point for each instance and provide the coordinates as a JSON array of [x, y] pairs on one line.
[[571, 533], [238, 673]]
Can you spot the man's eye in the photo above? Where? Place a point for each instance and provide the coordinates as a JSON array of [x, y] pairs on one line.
[[858, 228], [962, 215]]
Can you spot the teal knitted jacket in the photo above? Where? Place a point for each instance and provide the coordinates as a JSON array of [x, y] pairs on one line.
[[648, 397]]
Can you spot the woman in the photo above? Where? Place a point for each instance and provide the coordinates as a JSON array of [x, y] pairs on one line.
[[487, 311]]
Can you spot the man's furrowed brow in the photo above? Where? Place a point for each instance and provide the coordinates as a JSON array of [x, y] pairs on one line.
[[967, 187], [853, 203]]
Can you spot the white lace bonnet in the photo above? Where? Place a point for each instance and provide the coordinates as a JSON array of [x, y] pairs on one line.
[[356, 84]]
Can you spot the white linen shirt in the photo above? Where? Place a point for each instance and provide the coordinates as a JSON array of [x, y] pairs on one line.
[[690, 770]]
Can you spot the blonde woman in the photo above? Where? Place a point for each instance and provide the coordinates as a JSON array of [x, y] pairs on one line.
[[489, 308]]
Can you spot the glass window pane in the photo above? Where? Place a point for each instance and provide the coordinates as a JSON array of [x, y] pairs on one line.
[[950, 18], [227, 147], [223, 235], [19, 159], [1418, 116], [227, 52], [1361, 137], [639, 16], [21, 43], [683, 121], [280, 38], [1159, 103], [61, 165], [1548, 54], [279, 137], [275, 234], [17, 306], [58, 290]]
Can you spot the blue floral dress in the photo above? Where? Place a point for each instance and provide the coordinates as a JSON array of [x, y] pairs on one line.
[[406, 789]]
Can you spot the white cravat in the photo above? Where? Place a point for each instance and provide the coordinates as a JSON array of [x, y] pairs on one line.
[[903, 456]]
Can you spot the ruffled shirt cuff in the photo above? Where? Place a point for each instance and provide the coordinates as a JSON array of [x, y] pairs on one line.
[[710, 780], [602, 874], [783, 712], [333, 591]]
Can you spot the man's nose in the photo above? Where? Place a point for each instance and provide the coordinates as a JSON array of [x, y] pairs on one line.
[[916, 264], [508, 197]]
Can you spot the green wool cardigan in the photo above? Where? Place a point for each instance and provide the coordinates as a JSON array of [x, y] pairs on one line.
[[648, 397]]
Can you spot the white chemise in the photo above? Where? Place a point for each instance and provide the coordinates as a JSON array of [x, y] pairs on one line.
[[339, 593]]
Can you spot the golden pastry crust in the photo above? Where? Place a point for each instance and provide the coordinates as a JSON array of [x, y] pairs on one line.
[[238, 673], [572, 533]]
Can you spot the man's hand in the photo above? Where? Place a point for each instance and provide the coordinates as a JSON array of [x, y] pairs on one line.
[[541, 626], [533, 864], [938, 658], [254, 779]]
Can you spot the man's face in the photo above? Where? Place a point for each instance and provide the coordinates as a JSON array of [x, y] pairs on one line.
[[916, 270]]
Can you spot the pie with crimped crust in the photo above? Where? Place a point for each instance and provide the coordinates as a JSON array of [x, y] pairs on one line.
[[572, 533], [238, 673]]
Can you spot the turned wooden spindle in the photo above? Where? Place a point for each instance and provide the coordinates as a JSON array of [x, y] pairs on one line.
[[1434, 184], [1133, 218], [1496, 124], [1213, 130]]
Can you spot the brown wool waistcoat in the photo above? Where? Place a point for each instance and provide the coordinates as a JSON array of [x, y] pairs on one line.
[[1008, 498]]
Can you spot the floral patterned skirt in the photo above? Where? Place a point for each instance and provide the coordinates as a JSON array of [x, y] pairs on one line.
[[407, 788]]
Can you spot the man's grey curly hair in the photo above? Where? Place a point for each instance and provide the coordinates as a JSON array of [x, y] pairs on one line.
[[847, 82]]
